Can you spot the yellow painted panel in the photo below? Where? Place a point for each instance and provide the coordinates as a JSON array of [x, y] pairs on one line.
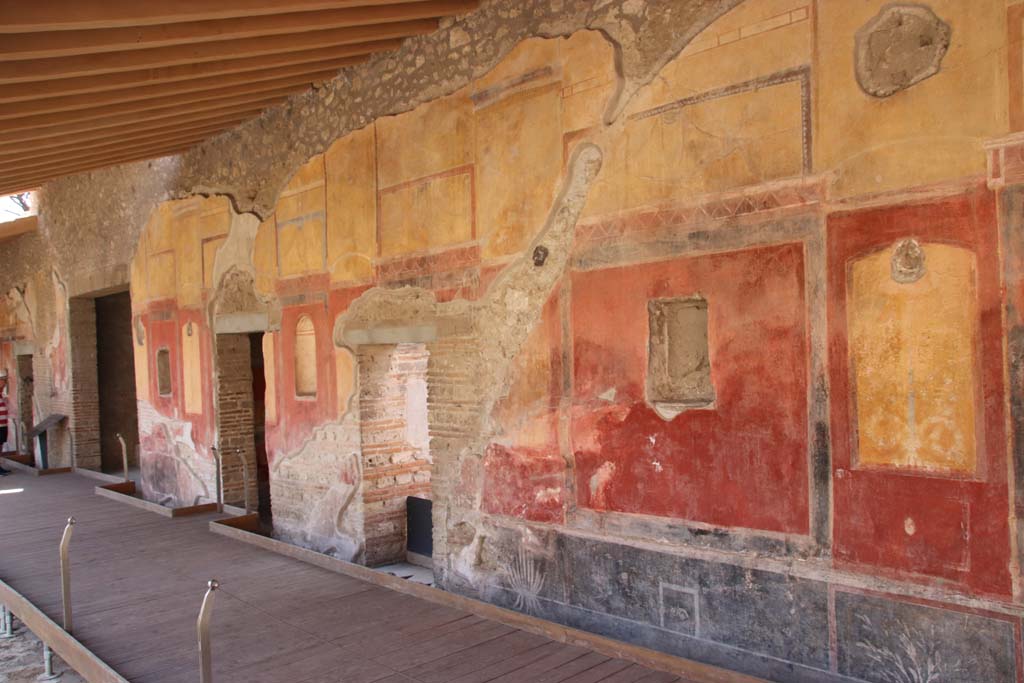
[[141, 369], [519, 153], [433, 213], [264, 256], [304, 194], [345, 372], [756, 39], [192, 368], [434, 137], [301, 247], [270, 376], [880, 144], [351, 207], [300, 215], [184, 228], [720, 144], [912, 350], [210, 248], [214, 217], [160, 239], [161, 275], [526, 57], [588, 79]]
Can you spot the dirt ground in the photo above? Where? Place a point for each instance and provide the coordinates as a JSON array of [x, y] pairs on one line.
[[21, 659]]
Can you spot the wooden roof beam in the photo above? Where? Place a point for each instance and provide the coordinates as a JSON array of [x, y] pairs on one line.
[[17, 16], [125, 122], [296, 73], [12, 184], [219, 121], [359, 39], [114, 141], [188, 75], [71, 158], [79, 42], [183, 102]]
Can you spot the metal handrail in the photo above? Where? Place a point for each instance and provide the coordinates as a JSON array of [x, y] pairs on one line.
[[203, 633], [124, 456], [65, 573]]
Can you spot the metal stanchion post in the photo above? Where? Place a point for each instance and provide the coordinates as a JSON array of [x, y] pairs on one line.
[[48, 673], [65, 573], [124, 456], [245, 476], [7, 626], [219, 478], [203, 632]]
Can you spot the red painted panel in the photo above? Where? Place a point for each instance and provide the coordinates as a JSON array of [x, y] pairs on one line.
[[961, 528], [742, 463], [525, 483]]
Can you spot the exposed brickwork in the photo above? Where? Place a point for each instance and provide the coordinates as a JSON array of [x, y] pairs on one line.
[[396, 454], [84, 410], [235, 416]]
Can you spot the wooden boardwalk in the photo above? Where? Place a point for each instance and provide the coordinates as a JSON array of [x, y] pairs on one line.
[[138, 580]]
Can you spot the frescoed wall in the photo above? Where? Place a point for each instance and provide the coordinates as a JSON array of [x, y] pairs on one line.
[[740, 395]]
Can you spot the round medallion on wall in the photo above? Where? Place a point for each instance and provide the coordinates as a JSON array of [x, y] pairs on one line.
[[901, 46]]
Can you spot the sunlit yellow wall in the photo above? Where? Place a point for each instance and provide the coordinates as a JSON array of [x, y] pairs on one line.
[[351, 207], [732, 110], [174, 259], [301, 219], [930, 132], [270, 376]]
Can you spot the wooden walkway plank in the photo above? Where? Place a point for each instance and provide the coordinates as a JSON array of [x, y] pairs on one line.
[[138, 579]]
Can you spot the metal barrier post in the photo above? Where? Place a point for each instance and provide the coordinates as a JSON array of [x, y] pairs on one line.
[[7, 626], [203, 631], [48, 673], [65, 573], [219, 478], [124, 456], [245, 476]]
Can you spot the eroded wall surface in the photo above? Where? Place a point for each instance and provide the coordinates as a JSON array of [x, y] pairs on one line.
[[721, 336]]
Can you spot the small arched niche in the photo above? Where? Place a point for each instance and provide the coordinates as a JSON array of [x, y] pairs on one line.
[[305, 357]]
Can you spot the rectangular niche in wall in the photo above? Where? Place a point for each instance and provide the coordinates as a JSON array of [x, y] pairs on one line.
[[163, 372], [678, 361]]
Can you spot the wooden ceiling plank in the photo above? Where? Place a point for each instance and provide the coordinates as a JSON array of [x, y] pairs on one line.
[[70, 43], [294, 84], [359, 39], [185, 74], [9, 185], [33, 164], [149, 129], [7, 157], [296, 73], [17, 16], [27, 129], [125, 122]]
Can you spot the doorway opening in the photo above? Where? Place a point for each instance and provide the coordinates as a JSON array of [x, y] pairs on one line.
[[396, 456], [241, 420], [115, 384], [25, 414]]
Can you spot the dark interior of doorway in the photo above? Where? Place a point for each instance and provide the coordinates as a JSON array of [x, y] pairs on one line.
[[115, 377], [259, 430]]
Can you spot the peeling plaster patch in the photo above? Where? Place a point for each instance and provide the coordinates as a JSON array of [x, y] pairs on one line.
[[599, 482], [315, 491], [900, 47], [171, 474]]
